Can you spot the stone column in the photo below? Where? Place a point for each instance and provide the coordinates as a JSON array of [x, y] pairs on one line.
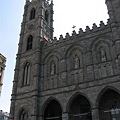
[[65, 116], [95, 114]]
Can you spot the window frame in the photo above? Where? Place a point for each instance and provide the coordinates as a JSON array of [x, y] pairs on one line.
[[32, 13], [29, 43], [26, 75], [23, 115]]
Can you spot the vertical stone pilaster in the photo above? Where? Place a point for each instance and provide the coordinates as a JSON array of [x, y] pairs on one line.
[[95, 114], [65, 116], [117, 43], [113, 13], [41, 118]]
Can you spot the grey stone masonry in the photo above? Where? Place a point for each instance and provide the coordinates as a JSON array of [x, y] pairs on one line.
[[69, 78]]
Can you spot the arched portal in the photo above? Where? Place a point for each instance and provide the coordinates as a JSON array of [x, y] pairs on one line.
[[53, 111], [80, 109], [109, 106]]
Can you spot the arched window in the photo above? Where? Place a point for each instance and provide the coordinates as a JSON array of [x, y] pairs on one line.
[[32, 14], [53, 111], [26, 77], [46, 16], [80, 109], [23, 115], [29, 42], [109, 105]]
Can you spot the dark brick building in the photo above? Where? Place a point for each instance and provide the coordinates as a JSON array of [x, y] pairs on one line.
[[73, 78]]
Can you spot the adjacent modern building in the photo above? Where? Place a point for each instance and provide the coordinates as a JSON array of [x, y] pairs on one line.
[[4, 115], [2, 68], [76, 77]]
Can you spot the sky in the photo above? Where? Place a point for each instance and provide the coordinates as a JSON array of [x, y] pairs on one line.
[[67, 13]]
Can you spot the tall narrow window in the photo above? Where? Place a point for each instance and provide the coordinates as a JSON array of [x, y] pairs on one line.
[[1, 70], [23, 115], [53, 111], [29, 42], [26, 78], [46, 16], [32, 14]]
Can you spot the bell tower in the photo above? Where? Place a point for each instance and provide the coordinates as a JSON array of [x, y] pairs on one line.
[[38, 15], [36, 27], [48, 19], [113, 7]]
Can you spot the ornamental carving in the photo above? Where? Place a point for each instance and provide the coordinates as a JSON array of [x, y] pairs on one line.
[[31, 27]]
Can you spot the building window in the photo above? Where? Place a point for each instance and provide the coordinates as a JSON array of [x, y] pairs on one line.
[[32, 14], [46, 16], [26, 78], [23, 115], [29, 42], [109, 106], [80, 109], [1, 69], [53, 111]]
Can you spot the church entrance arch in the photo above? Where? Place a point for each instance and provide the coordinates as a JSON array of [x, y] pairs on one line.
[[109, 106], [80, 109], [53, 111]]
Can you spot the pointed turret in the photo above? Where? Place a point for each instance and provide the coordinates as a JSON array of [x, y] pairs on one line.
[[114, 13]]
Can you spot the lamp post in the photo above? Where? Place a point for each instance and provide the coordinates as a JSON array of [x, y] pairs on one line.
[[115, 112]]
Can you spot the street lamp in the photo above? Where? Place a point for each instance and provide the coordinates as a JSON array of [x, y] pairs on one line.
[[115, 111]]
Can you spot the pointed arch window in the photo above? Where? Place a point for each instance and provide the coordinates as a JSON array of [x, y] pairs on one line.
[[23, 115], [109, 105], [29, 42], [53, 111], [80, 109], [46, 16], [26, 77], [32, 14]]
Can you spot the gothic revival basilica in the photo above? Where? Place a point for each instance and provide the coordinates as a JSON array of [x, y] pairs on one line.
[[76, 77]]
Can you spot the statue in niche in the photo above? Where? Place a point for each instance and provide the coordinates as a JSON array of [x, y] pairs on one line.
[[109, 69], [102, 54], [76, 62], [53, 68], [117, 63]]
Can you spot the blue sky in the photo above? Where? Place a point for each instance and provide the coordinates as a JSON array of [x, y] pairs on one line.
[[10, 19], [67, 13]]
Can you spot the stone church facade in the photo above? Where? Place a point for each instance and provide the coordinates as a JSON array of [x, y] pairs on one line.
[[71, 78]]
